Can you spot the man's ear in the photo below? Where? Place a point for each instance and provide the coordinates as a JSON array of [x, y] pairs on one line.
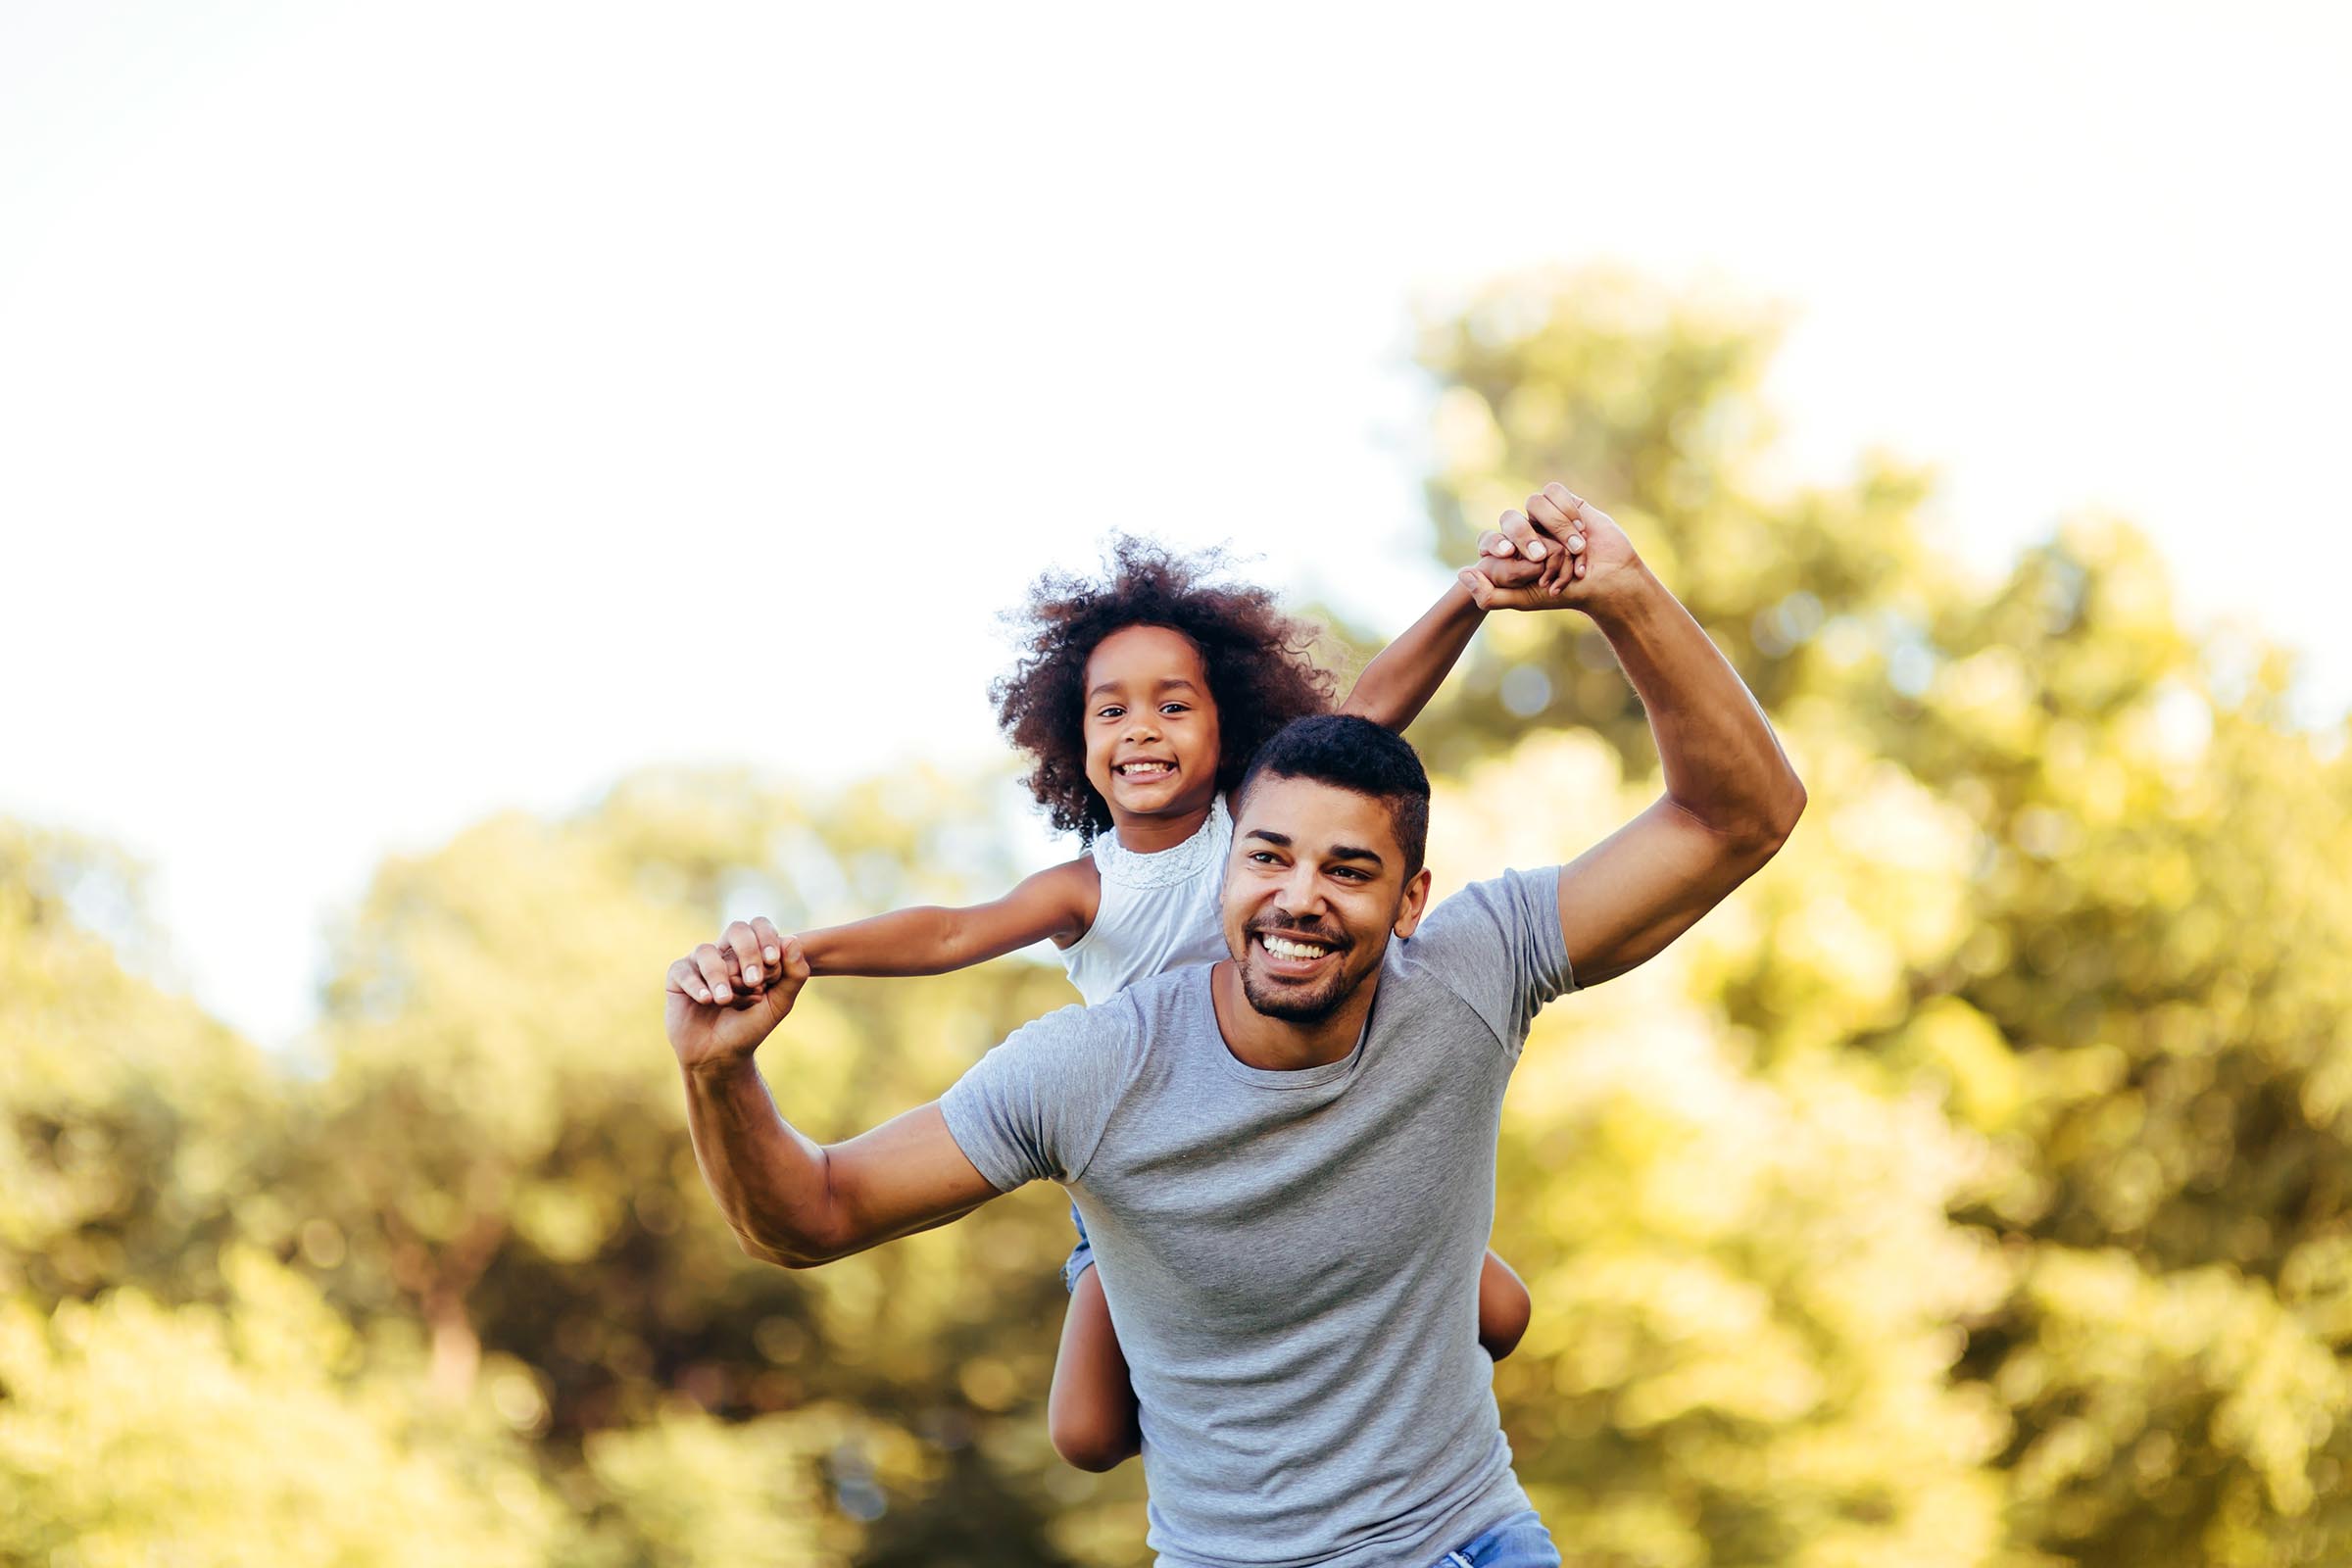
[[1413, 904]]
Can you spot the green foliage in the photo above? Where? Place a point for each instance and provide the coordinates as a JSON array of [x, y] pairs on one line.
[[137, 1135], [2069, 869], [1969, 1191], [133, 1433]]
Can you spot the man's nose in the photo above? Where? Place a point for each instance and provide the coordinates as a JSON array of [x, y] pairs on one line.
[[1301, 896]]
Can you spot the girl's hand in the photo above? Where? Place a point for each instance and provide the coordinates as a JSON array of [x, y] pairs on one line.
[[725, 997], [1585, 557]]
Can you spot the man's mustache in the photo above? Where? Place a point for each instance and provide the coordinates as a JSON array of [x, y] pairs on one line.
[[1323, 935]]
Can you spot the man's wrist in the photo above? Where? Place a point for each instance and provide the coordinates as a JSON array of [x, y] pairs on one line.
[[1635, 596], [722, 1074]]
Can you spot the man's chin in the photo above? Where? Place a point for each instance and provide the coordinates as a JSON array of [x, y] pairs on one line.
[[1292, 1005]]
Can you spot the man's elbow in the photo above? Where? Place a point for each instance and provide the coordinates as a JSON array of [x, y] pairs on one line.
[[787, 1251], [1779, 817]]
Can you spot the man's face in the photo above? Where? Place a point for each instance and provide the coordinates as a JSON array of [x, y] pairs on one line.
[[1315, 888]]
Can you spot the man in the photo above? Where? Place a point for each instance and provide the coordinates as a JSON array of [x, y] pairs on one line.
[[1285, 1160]]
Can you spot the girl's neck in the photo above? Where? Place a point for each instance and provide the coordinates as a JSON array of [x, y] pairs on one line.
[[1148, 835]]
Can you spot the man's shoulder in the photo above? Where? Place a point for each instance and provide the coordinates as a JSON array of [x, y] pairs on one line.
[[1501, 903], [1494, 944]]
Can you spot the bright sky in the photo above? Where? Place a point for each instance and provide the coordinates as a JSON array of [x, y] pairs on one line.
[[412, 410]]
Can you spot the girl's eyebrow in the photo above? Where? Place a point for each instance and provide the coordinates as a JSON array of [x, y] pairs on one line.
[[1164, 683]]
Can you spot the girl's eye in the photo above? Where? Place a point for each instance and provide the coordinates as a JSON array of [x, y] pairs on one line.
[[1109, 712], [1175, 708]]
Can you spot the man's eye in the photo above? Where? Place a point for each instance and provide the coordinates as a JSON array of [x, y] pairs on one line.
[[1347, 873]]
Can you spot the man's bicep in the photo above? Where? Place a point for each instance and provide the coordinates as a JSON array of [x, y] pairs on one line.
[[906, 1175], [1626, 897]]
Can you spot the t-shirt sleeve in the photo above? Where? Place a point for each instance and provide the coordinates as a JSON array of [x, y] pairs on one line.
[[1497, 945], [1035, 1106]]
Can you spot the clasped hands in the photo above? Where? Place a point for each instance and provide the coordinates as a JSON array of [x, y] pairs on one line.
[[1562, 552], [727, 996]]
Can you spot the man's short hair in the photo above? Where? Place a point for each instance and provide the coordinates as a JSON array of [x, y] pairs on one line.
[[1358, 755]]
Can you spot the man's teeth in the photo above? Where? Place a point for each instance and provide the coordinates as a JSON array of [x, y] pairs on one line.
[[1283, 947]]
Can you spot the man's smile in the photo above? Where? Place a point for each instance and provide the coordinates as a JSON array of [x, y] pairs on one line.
[[1294, 953]]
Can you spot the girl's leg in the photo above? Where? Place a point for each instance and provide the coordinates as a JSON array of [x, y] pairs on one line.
[[1091, 1410], [1503, 1308]]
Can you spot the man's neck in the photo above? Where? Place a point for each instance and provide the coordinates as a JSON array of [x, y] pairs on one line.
[[1279, 1045]]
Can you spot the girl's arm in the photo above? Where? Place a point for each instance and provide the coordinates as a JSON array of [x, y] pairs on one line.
[[1395, 686], [1058, 903]]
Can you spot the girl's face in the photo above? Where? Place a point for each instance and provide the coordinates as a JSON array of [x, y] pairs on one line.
[[1151, 741]]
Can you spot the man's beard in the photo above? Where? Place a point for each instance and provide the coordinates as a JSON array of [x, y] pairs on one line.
[[1293, 1003]]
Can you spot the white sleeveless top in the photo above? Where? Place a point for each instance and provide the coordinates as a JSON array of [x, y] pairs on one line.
[[1158, 912]]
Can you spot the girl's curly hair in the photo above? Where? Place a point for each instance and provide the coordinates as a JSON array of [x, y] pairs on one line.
[[1261, 674]]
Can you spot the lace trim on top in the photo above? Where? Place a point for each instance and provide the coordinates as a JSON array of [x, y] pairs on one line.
[[1166, 867]]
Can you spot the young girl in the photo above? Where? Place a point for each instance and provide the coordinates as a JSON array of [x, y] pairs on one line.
[[1140, 700]]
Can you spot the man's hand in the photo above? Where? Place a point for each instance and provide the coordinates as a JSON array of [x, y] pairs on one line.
[[1584, 556], [726, 997]]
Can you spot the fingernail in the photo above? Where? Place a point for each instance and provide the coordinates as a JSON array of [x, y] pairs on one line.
[[771, 954], [723, 994], [750, 976], [1535, 549]]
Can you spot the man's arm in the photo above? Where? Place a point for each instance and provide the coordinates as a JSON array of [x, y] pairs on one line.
[[1730, 798], [1400, 683], [791, 1200]]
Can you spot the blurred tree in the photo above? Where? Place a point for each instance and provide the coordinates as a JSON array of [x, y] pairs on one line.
[[137, 1135], [499, 1147], [2068, 866], [133, 1433]]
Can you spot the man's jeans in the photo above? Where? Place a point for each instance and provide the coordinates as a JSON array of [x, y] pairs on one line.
[[1519, 1541]]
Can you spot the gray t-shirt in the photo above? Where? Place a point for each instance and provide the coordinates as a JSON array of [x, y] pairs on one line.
[[1291, 1258]]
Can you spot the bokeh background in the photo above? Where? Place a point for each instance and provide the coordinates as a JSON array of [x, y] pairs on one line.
[[488, 493]]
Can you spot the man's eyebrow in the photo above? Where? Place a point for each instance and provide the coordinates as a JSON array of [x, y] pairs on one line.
[[1338, 851]]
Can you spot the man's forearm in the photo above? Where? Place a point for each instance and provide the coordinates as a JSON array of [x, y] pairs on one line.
[[770, 1181], [1721, 761], [1397, 684]]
